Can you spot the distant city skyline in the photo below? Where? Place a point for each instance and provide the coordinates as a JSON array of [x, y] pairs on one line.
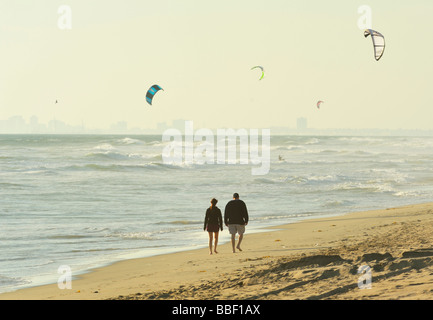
[[19, 125]]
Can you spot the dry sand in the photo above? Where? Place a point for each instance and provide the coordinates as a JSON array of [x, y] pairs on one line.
[[311, 259]]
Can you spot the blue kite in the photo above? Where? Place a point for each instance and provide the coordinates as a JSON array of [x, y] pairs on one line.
[[151, 92]]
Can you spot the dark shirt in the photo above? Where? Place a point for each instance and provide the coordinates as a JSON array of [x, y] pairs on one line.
[[236, 212], [213, 216]]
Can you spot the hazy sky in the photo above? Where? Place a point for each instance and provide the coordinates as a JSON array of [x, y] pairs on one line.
[[201, 53]]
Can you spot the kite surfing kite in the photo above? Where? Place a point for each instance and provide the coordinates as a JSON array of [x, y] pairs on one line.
[[378, 42], [151, 92], [261, 68], [319, 103]]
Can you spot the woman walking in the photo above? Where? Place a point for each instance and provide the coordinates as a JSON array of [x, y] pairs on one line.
[[213, 222]]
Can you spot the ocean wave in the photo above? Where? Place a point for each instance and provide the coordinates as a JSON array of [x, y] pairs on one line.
[[115, 167], [413, 143], [96, 229], [184, 222], [361, 152], [95, 250], [7, 259], [104, 146], [388, 175], [424, 180], [293, 149], [369, 140], [288, 148], [108, 155], [310, 179], [392, 161], [289, 217], [129, 141], [312, 141], [327, 177], [42, 170], [265, 181], [364, 188], [336, 203], [6, 282], [151, 157], [116, 155], [67, 237], [324, 151], [41, 263], [155, 143], [408, 194], [295, 179], [8, 185], [133, 235]]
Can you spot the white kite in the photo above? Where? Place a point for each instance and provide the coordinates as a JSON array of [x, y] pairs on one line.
[[378, 42]]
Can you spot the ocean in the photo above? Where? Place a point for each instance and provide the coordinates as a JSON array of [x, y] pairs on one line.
[[86, 201]]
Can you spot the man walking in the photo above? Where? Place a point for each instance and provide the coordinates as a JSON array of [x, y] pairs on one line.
[[236, 218]]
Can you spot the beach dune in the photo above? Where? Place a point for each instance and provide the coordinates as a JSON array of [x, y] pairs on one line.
[[379, 254]]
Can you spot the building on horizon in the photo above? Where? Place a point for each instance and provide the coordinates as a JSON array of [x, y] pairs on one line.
[[301, 123]]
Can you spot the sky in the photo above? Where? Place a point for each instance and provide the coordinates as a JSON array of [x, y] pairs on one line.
[[201, 53]]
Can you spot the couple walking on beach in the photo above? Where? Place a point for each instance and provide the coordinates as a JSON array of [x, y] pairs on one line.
[[235, 218]]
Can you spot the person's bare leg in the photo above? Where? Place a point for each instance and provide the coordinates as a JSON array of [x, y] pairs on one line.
[[210, 242], [241, 236], [216, 242], [233, 242]]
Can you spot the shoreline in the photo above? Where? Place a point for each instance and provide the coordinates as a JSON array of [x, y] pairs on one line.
[[335, 247], [52, 280]]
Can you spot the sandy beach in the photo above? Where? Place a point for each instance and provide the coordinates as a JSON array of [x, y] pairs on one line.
[[309, 260]]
